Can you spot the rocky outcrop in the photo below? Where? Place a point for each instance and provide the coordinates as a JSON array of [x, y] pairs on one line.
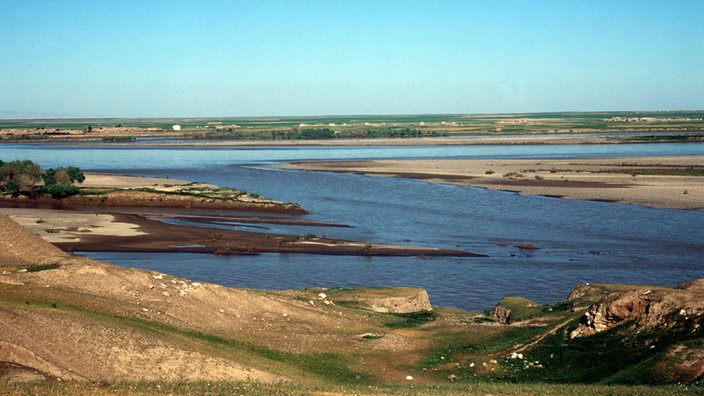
[[387, 300], [501, 314], [667, 321], [664, 308]]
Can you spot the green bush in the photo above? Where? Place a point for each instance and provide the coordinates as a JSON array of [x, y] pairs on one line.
[[58, 191]]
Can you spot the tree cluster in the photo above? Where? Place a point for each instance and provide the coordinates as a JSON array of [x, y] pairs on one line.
[[27, 178]]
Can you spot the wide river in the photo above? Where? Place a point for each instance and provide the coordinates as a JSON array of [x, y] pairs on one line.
[[580, 241]]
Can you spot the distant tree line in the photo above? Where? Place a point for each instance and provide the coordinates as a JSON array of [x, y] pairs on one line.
[[24, 177], [392, 132], [311, 133]]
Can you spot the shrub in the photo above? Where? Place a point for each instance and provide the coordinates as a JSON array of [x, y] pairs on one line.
[[58, 191]]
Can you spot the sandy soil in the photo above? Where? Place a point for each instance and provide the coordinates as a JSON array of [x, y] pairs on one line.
[[123, 181], [120, 232], [670, 185]]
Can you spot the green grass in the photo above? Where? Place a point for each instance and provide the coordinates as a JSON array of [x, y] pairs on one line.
[[624, 354], [659, 138], [463, 347], [378, 125], [669, 172], [212, 388], [119, 139], [327, 367], [411, 319], [42, 267]]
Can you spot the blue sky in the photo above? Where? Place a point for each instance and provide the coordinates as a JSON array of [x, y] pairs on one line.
[[150, 58]]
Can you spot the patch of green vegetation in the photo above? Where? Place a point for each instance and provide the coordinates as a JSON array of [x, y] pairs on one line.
[[669, 172], [624, 354], [212, 388], [411, 319], [327, 366], [24, 178], [119, 139], [520, 307], [42, 267], [462, 346], [658, 138], [38, 136]]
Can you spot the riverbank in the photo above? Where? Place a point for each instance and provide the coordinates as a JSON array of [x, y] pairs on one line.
[[124, 232], [119, 191], [662, 182], [478, 140]]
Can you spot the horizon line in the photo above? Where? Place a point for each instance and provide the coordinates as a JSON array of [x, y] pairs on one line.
[[6, 115]]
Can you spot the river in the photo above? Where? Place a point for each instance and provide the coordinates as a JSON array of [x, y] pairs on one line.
[[580, 241]]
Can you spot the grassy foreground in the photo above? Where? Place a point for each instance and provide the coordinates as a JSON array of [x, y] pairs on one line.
[[597, 365], [248, 388]]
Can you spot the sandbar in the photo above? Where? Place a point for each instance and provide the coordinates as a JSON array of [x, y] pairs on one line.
[[674, 182], [127, 232]]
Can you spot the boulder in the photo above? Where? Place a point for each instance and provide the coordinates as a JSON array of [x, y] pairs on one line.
[[501, 314]]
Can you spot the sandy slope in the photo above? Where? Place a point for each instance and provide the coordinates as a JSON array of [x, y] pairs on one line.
[[65, 322]]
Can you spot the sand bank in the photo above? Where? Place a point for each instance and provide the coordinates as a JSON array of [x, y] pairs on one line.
[[663, 182], [106, 180], [120, 232]]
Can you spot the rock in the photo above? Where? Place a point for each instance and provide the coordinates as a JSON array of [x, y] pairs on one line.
[[584, 290], [651, 307], [683, 363], [501, 314], [387, 300]]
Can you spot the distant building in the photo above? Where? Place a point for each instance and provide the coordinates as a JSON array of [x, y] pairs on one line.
[[176, 127]]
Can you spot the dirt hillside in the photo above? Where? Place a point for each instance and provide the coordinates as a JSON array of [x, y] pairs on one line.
[[71, 317], [20, 247]]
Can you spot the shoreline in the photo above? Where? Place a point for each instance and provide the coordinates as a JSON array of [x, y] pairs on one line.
[[103, 190], [128, 232], [662, 182]]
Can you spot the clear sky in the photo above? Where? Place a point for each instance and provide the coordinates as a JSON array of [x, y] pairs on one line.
[[151, 58]]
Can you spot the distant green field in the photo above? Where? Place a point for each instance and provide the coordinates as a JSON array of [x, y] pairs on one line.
[[384, 125]]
